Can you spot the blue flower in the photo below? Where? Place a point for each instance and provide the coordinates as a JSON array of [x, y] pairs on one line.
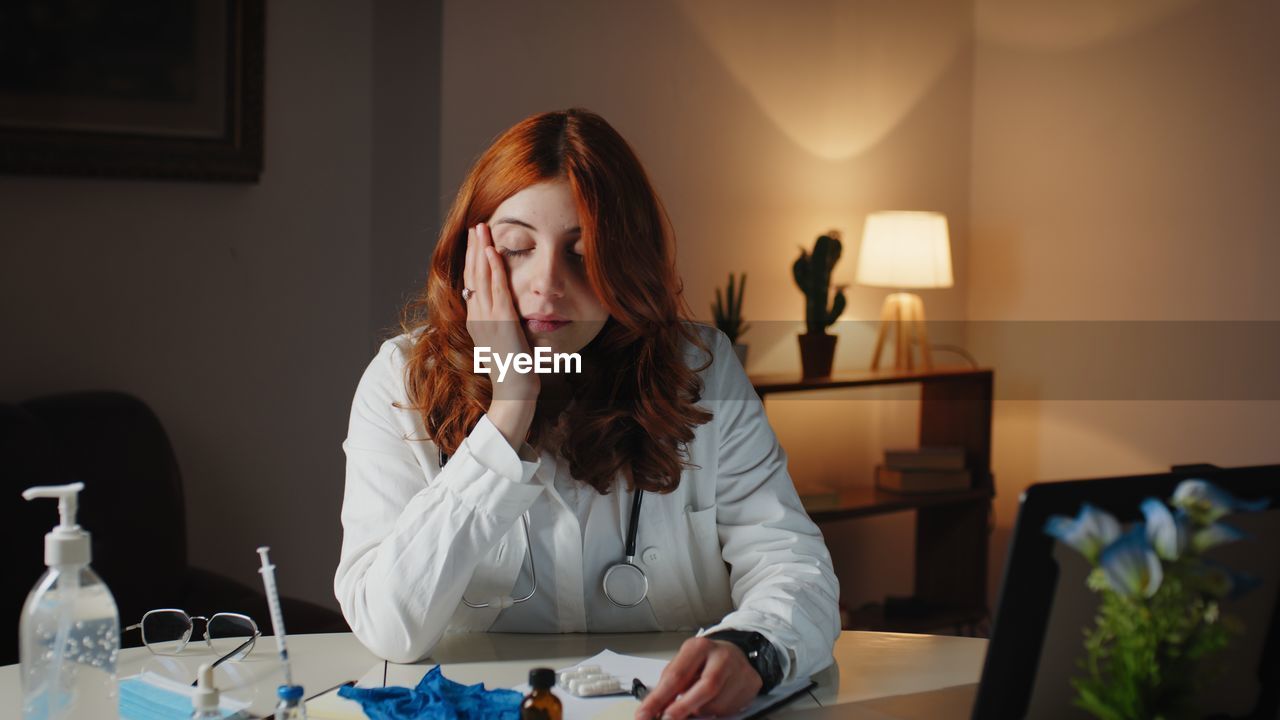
[[1090, 531], [1205, 502], [1131, 565], [1221, 581], [1166, 532], [1214, 535]]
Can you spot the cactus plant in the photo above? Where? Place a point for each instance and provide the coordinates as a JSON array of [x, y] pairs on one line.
[[727, 309], [813, 276]]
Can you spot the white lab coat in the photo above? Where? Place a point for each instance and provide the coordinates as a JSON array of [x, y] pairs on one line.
[[731, 547]]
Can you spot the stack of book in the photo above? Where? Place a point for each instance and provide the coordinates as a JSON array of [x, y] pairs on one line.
[[923, 470]]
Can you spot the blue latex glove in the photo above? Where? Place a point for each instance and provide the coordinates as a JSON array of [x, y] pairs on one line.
[[436, 698]]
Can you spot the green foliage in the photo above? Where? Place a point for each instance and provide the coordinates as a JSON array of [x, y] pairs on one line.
[[1142, 655], [727, 309], [1159, 622], [812, 273]]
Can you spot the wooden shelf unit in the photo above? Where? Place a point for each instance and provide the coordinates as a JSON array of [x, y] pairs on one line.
[[951, 527]]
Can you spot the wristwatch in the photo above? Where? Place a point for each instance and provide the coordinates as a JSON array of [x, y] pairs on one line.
[[761, 653]]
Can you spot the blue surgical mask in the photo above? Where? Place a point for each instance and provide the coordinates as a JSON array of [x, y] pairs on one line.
[[154, 697]]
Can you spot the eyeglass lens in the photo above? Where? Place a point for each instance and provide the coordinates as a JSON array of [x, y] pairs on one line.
[[166, 632], [228, 631]]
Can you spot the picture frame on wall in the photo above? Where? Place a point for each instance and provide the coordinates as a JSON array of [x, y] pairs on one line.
[[144, 89]]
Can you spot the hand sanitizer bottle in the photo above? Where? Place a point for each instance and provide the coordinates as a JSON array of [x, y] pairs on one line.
[[69, 634]]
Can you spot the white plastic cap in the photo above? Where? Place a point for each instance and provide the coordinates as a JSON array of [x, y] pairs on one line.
[[68, 543], [206, 695]]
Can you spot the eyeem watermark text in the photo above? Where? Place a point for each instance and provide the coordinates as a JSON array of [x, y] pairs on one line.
[[541, 362]]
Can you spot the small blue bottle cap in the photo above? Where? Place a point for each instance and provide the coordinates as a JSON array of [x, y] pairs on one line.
[[291, 693]]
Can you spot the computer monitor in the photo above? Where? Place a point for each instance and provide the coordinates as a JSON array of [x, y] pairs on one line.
[[1044, 606]]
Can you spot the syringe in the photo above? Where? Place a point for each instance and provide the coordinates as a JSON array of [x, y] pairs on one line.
[[273, 604]]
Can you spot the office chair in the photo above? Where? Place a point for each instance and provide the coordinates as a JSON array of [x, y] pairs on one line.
[[132, 505]]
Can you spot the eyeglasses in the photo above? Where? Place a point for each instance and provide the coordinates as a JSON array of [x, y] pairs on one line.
[[167, 632]]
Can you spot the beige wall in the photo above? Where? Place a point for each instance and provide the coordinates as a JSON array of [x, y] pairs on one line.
[[762, 125], [1125, 167]]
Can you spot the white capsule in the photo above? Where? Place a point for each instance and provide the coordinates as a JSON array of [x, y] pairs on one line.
[[600, 687]]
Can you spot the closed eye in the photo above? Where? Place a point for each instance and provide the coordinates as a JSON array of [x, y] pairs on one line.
[[513, 253]]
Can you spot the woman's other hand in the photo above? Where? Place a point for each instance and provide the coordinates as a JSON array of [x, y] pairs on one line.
[[707, 677], [493, 322]]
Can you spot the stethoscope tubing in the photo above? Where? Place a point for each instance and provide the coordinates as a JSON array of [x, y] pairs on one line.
[[533, 575], [626, 566], [634, 527]]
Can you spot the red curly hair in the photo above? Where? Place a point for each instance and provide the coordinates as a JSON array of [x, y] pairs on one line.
[[634, 406]]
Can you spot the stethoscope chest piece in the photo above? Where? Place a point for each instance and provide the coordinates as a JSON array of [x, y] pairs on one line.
[[625, 585]]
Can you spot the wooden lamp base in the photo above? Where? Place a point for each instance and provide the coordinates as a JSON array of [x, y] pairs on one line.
[[903, 314]]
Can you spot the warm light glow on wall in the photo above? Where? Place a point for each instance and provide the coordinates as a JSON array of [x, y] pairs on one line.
[[1067, 24], [861, 68]]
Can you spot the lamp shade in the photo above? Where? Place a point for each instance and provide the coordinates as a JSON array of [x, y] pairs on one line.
[[905, 250]]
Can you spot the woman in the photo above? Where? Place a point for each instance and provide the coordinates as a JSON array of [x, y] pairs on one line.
[[478, 499]]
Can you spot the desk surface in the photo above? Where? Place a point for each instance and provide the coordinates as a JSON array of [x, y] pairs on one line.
[[872, 669]]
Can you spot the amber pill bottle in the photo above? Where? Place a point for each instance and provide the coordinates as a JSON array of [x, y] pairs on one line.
[[541, 703]]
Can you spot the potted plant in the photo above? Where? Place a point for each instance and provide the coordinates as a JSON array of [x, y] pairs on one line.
[[727, 312], [1159, 626], [813, 276]]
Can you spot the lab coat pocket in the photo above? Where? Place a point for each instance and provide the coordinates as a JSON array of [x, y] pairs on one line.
[[709, 569]]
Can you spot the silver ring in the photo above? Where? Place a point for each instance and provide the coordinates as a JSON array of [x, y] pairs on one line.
[[467, 293]]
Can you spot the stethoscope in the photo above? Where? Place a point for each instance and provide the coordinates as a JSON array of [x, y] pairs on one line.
[[624, 584]]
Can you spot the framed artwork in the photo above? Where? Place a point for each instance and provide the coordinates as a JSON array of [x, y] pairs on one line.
[[142, 89]]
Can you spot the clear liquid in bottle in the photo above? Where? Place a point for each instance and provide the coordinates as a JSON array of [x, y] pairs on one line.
[[70, 639]]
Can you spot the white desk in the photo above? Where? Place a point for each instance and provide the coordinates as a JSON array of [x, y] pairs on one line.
[[319, 662], [884, 675]]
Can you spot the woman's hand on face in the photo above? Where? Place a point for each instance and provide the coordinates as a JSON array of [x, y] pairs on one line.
[[492, 318], [707, 677]]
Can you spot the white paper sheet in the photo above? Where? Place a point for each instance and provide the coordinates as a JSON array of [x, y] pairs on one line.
[[330, 706]]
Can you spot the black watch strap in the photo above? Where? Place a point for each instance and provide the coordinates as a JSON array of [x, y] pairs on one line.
[[761, 653]]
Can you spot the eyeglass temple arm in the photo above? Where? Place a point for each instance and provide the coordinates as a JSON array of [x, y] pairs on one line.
[[256, 634]]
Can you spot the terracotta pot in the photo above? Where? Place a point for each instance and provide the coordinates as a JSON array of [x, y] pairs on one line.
[[817, 352]]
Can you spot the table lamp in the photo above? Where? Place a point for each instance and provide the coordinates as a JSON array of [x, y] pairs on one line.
[[904, 250]]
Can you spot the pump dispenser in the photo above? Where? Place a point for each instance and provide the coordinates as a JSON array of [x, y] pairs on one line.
[[205, 702], [69, 634], [68, 543]]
